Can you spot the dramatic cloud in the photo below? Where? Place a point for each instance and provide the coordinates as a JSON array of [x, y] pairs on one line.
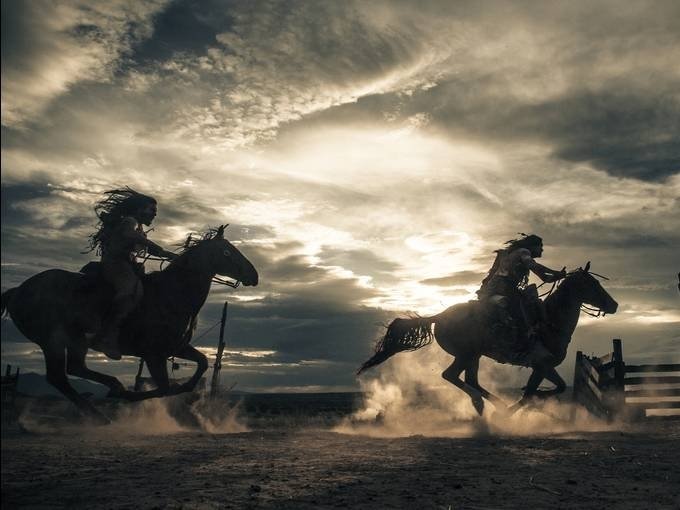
[[369, 156]]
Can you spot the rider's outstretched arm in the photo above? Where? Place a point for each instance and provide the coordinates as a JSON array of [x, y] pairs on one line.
[[129, 230], [544, 273]]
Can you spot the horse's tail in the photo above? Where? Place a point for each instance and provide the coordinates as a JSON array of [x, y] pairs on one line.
[[401, 335], [4, 301]]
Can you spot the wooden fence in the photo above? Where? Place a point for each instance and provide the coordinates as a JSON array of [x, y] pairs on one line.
[[608, 387], [9, 394]]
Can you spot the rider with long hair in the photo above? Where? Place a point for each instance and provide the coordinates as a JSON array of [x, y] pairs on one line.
[[119, 239], [503, 285]]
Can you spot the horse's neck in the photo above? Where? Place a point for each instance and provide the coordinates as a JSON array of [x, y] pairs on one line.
[[186, 287], [563, 309]]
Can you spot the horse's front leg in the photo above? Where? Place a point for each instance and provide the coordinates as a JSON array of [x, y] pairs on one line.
[[537, 375], [555, 378], [158, 370], [192, 354]]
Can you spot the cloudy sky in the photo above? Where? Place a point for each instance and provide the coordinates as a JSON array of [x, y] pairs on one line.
[[369, 157]]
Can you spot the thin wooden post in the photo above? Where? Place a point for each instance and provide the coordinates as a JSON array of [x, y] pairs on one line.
[[577, 375], [619, 376], [8, 370], [138, 377], [218, 357]]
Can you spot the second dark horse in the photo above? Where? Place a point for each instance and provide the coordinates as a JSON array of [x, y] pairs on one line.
[[461, 331], [56, 309]]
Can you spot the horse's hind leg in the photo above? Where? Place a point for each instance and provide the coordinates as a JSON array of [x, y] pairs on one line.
[[55, 365], [471, 377], [75, 365], [452, 374]]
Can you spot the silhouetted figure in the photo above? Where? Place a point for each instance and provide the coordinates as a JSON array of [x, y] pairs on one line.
[[56, 308], [462, 330], [515, 312], [120, 239]]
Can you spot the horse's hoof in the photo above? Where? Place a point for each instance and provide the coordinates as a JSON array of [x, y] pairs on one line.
[[117, 392], [517, 406], [478, 404]]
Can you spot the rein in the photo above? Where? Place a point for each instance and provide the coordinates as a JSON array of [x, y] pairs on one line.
[[215, 279], [593, 312], [588, 310], [549, 291]]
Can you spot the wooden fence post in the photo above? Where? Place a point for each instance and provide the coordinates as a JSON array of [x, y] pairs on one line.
[[218, 357], [619, 400], [577, 376]]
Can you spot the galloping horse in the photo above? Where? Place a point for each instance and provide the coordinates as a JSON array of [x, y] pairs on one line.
[[461, 331], [59, 310]]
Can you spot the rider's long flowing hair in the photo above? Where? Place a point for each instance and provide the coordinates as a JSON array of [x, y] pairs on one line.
[[526, 241], [116, 204]]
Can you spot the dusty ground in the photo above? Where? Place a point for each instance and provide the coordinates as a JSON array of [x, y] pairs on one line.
[[282, 466]]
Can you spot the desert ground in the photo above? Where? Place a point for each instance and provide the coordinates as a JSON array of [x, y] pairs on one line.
[[306, 452]]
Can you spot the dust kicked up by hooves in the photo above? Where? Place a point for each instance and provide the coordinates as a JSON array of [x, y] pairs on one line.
[[407, 396], [183, 413]]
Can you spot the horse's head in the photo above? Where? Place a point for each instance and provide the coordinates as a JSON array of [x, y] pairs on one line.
[[589, 291], [214, 254]]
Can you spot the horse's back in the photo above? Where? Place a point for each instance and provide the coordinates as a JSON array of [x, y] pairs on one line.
[[457, 328], [47, 300]]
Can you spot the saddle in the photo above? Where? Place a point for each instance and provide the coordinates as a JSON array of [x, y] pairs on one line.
[[92, 272], [515, 329]]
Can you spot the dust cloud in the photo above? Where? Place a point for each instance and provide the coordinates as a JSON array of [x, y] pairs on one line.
[[407, 396], [157, 416]]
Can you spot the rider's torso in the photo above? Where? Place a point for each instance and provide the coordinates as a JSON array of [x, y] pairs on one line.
[[511, 267]]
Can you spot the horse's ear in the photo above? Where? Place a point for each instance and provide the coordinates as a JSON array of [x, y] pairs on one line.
[[220, 231], [587, 268]]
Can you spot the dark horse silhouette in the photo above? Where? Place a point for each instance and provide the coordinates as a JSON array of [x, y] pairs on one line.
[[461, 331], [59, 310]]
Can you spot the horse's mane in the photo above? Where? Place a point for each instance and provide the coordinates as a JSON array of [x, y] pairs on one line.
[[192, 240], [196, 238], [554, 292]]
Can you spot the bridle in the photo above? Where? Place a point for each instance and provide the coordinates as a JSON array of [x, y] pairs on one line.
[[588, 310]]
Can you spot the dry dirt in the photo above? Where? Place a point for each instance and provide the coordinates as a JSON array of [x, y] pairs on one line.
[[286, 464]]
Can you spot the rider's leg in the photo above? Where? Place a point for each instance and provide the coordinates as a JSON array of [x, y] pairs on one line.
[[128, 293], [452, 374]]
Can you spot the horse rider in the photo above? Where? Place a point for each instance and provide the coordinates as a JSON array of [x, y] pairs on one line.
[[120, 239], [504, 285]]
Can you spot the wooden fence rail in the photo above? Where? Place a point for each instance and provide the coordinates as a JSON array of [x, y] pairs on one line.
[[608, 387]]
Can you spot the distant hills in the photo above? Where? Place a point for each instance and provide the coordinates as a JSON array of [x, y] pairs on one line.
[[36, 385]]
